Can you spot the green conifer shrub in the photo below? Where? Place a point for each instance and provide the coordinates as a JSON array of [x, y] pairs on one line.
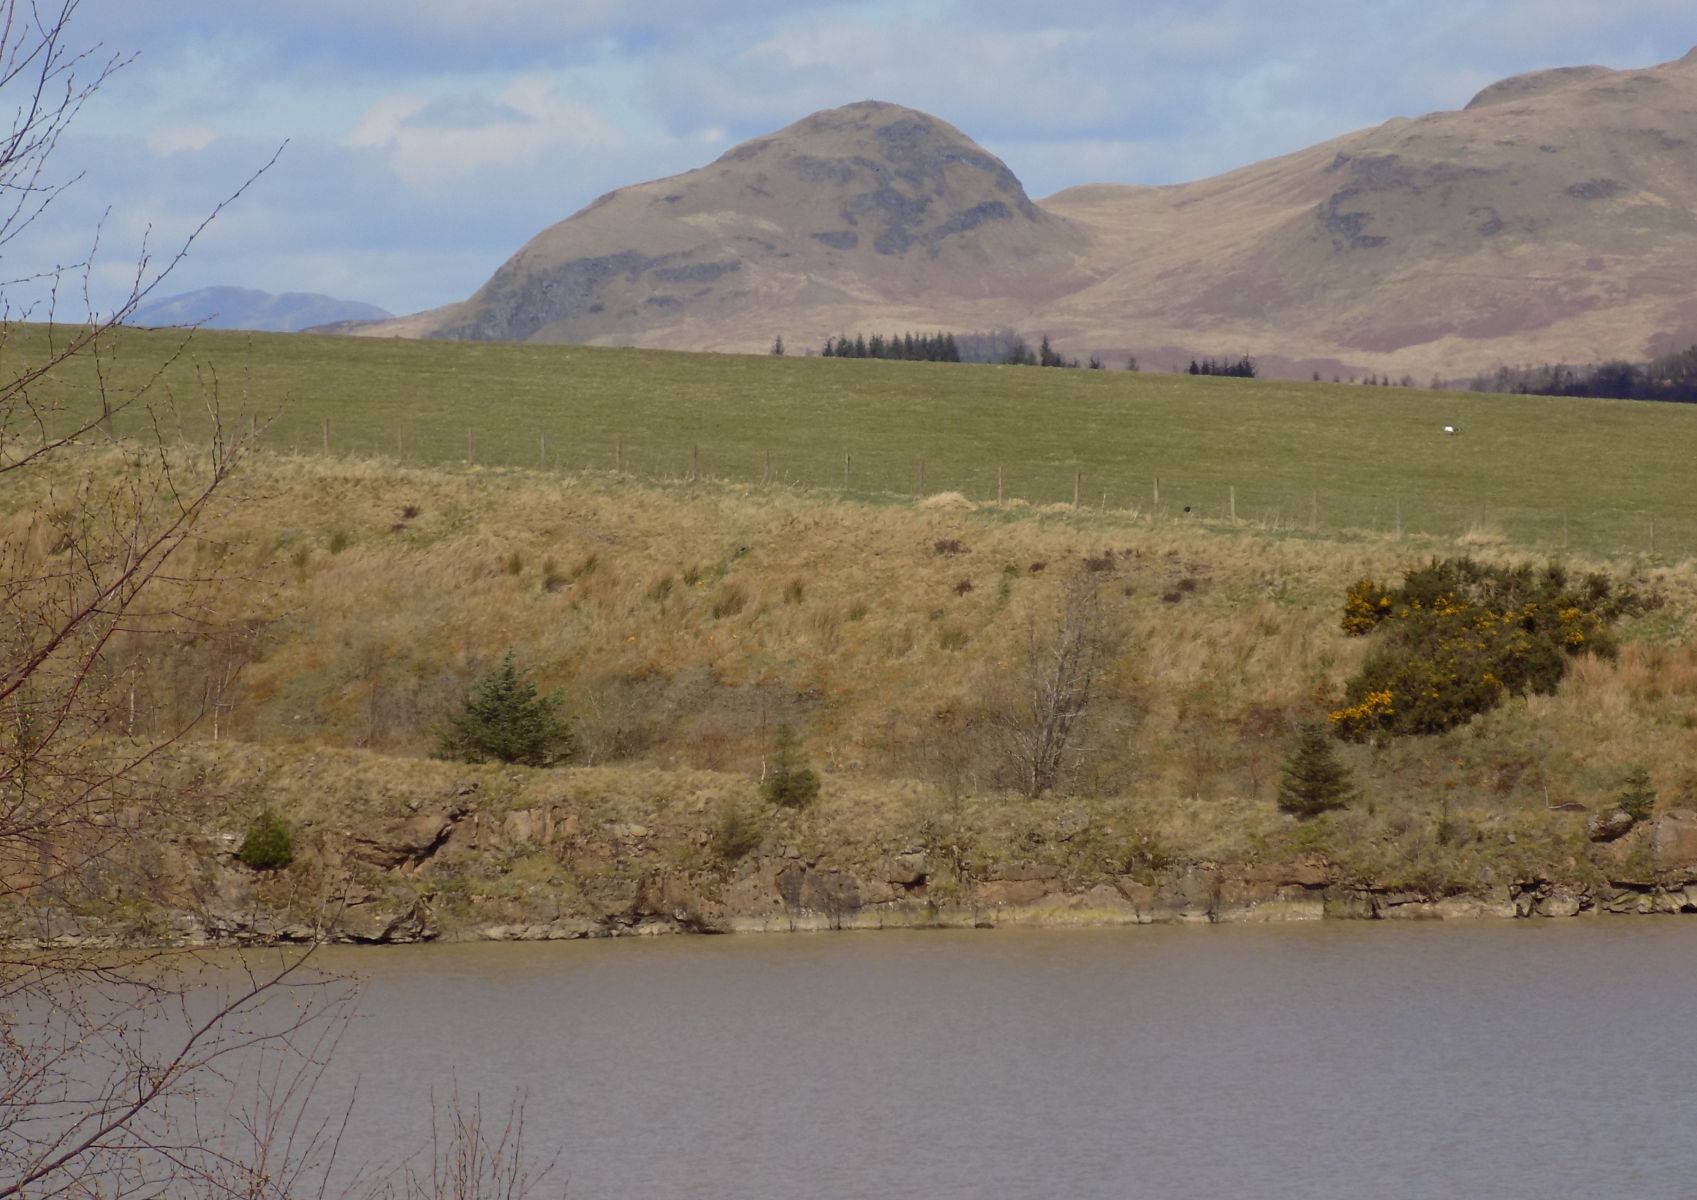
[[506, 721], [789, 782], [1315, 781], [736, 835], [1637, 799], [268, 845]]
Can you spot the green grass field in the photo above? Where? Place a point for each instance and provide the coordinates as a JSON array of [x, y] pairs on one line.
[[1610, 478]]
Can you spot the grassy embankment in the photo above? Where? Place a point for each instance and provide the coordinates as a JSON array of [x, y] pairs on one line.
[[1297, 455], [684, 620]]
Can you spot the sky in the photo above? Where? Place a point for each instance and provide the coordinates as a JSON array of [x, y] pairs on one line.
[[423, 141]]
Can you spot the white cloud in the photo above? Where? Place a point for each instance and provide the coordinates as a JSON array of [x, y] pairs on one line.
[[177, 139], [989, 81], [430, 138], [429, 144], [378, 126]]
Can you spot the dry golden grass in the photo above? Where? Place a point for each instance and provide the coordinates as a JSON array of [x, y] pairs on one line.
[[682, 624]]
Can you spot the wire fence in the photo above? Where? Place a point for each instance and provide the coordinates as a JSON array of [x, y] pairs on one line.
[[1276, 503]]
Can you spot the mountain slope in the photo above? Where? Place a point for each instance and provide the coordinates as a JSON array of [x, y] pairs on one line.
[[1554, 217], [247, 308], [848, 215], [1551, 218]]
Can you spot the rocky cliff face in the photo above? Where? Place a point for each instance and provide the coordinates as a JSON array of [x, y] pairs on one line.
[[503, 854]]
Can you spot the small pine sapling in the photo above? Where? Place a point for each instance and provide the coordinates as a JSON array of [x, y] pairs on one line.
[[1315, 780], [789, 781], [1637, 799], [267, 845], [505, 720]]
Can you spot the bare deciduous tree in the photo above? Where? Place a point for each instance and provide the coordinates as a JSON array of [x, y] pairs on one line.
[[1054, 683], [123, 1072]]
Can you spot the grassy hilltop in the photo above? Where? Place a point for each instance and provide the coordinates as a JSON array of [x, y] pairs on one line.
[[357, 598], [1609, 478]]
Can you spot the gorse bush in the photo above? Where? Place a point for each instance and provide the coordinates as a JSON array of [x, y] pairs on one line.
[[789, 781], [1459, 635], [268, 845], [505, 720]]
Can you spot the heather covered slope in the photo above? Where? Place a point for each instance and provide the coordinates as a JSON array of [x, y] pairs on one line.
[[1551, 218]]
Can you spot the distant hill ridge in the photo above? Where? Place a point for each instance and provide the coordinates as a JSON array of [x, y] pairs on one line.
[[247, 308], [1554, 217]]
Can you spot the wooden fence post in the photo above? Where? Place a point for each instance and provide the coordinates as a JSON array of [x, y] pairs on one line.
[[998, 485], [619, 454], [1231, 503], [1077, 482]]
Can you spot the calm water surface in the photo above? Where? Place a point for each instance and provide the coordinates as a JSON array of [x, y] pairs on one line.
[[1527, 1059]]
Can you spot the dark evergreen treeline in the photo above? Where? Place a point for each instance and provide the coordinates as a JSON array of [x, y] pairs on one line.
[[1002, 346], [1020, 354], [1237, 368], [903, 347], [1671, 377]]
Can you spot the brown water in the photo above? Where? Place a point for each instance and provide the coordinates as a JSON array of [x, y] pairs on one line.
[[1535, 1059]]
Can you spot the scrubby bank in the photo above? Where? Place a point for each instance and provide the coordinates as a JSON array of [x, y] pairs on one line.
[[919, 653]]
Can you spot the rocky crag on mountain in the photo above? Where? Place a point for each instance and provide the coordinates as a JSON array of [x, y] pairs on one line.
[[1550, 218]]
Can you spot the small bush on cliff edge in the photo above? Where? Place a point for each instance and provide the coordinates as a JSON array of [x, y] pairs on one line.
[[1637, 798], [268, 845], [789, 781], [736, 835]]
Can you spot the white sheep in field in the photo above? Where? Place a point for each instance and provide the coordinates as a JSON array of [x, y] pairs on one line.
[[1451, 430]]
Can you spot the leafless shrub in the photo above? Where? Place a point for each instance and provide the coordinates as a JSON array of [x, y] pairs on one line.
[[472, 1159], [1053, 683]]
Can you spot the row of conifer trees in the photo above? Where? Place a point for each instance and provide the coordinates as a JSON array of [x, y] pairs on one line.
[[903, 347]]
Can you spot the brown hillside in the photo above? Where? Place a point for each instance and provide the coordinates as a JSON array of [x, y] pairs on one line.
[[844, 216], [1552, 218]]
